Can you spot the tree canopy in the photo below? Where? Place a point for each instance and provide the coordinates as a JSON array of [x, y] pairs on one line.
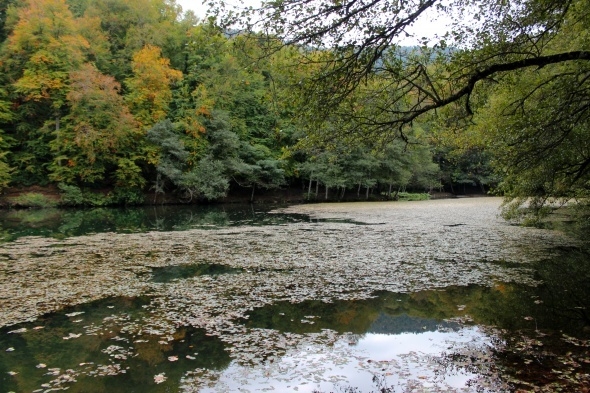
[[135, 96], [513, 73]]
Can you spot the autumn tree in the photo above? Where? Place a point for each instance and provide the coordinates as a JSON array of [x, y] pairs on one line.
[[99, 135], [42, 50], [48, 46], [129, 25], [149, 88]]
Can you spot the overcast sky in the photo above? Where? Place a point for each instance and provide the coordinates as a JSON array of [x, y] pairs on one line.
[[195, 5], [424, 27]]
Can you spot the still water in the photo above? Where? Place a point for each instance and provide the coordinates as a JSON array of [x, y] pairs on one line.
[[304, 300], [62, 223]]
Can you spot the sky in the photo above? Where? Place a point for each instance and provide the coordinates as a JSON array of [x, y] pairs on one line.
[[424, 27], [195, 5]]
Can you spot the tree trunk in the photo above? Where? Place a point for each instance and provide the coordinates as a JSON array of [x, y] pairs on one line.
[[343, 192], [327, 192], [317, 188], [57, 120], [309, 186], [157, 187], [252, 196], [358, 191], [389, 192], [367, 194]]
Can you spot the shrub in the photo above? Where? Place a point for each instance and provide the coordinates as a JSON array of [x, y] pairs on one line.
[[71, 195], [32, 199], [127, 196], [409, 196]]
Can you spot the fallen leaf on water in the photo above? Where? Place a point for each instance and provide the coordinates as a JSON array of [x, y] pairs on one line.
[[73, 314], [159, 378]]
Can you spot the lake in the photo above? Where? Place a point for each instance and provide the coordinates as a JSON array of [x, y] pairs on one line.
[[429, 296]]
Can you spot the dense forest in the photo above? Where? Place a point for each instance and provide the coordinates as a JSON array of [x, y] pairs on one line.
[[143, 100]]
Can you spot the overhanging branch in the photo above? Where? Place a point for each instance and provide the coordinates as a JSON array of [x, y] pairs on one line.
[[484, 73]]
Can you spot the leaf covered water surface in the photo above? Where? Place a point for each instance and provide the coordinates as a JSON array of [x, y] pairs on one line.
[[430, 297]]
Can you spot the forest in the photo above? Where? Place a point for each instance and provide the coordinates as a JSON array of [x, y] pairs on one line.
[[145, 100], [139, 102]]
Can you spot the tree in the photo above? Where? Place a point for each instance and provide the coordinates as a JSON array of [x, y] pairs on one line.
[[192, 100], [541, 143], [205, 179], [47, 45], [492, 43], [223, 99], [129, 25], [258, 168], [149, 87], [404, 165], [43, 47], [172, 157], [98, 132], [5, 116], [360, 39]]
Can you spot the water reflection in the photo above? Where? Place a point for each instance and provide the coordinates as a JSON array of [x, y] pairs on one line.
[[402, 339], [560, 303], [388, 313], [103, 346], [470, 337], [387, 324], [476, 338], [402, 360], [178, 272], [473, 338], [61, 223]]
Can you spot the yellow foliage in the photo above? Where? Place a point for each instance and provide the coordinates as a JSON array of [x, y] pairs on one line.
[[46, 45], [150, 91]]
